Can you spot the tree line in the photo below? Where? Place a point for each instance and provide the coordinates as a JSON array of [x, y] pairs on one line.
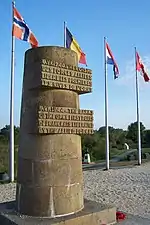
[[95, 144]]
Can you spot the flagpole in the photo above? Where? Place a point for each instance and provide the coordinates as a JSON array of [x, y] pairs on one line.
[[138, 112], [11, 144], [106, 107], [64, 34]]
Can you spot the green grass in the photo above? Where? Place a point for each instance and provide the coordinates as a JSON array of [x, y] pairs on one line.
[[146, 150], [115, 152], [4, 158]]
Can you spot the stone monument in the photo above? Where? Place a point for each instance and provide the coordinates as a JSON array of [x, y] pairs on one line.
[[50, 177], [50, 168]]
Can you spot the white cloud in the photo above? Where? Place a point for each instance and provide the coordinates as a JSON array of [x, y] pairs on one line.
[[127, 75]]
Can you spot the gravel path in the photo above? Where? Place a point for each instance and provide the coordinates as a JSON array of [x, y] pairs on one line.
[[7, 192], [128, 189]]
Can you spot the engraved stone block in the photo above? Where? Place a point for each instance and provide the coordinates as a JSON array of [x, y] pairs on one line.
[[51, 74]]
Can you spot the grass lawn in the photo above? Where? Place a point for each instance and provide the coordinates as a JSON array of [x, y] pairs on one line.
[[4, 158], [145, 150], [115, 152]]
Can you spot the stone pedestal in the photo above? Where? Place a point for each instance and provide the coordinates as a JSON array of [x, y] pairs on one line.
[[92, 214]]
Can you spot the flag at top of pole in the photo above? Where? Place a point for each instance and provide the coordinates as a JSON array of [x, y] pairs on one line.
[[73, 45], [21, 29], [110, 60], [141, 68]]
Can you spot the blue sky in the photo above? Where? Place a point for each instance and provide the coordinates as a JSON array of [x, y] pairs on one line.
[[124, 23]]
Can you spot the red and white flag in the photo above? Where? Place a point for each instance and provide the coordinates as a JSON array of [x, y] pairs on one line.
[[110, 60], [22, 31], [141, 68]]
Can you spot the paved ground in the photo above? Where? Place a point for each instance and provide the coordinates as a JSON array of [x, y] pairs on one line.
[[135, 220]]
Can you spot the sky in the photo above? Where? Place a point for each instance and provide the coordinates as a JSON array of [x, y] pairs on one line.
[[125, 24]]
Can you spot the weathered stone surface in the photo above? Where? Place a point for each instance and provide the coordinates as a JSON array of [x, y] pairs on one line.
[[58, 54], [42, 147], [61, 199], [92, 214], [50, 179], [50, 172]]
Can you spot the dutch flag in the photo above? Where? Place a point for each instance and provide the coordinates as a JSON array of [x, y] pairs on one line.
[[111, 61]]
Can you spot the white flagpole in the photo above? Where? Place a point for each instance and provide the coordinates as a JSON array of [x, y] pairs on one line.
[[138, 113], [106, 108], [11, 144], [64, 34]]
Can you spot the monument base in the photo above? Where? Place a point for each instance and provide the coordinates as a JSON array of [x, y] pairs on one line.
[[92, 214]]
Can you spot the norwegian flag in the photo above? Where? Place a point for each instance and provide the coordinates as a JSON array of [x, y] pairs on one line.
[[21, 29], [141, 68]]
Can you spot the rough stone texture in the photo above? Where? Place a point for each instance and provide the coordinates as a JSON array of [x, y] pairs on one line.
[[49, 172], [58, 54], [45, 147], [92, 214]]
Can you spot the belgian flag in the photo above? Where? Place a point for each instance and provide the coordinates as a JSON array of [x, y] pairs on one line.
[[73, 45]]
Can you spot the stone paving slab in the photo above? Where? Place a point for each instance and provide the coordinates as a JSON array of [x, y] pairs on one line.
[[135, 220]]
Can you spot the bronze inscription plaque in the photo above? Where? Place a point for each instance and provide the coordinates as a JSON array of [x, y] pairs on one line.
[[50, 74], [62, 120]]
